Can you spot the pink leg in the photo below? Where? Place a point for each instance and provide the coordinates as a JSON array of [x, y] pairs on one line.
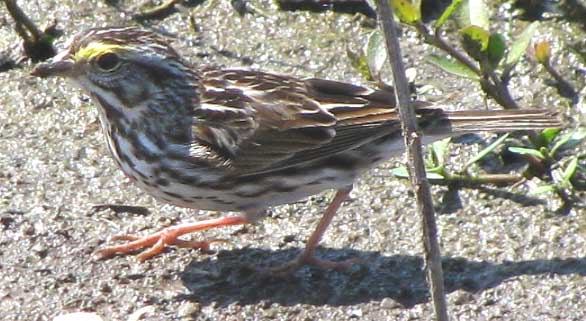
[[307, 256], [168, 236]]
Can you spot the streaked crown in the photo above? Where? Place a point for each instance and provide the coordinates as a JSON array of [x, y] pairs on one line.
[[125, 69]]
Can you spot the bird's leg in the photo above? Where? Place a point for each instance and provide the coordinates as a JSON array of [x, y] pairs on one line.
[[307, 256], [168, 236]]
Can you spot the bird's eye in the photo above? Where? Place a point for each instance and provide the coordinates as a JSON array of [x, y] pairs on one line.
[[108, 61]]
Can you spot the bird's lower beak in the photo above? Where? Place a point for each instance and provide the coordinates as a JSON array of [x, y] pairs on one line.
[[57, 68]]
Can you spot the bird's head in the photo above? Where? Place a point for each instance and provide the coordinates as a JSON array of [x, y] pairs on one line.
[[121, 67]]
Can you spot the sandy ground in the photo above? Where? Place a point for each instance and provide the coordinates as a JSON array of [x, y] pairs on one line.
[[507, 254]]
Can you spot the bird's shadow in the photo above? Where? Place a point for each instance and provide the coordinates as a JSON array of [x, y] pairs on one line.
[[234, 277]]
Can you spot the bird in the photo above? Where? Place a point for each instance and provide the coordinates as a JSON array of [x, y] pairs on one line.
[[243, 140]]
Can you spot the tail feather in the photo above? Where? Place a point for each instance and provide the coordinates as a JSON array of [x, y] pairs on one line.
[[501, 120]]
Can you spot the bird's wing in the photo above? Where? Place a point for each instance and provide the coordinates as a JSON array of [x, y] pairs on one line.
[[259, 122]]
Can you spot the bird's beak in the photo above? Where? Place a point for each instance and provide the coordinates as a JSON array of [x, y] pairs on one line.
[[61, 66]]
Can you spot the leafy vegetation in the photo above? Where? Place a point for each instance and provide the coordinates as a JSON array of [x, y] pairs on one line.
[[489, 59]]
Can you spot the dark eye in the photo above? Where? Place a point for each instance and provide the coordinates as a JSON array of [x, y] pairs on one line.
[[108, 61]]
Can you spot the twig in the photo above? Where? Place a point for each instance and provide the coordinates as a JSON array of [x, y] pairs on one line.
[[416, 162], [21, 19], [163, 10], [498, 90], [564, 86], [348, 6], [37, 44], [496, 179], [117, 208], [491, 84]]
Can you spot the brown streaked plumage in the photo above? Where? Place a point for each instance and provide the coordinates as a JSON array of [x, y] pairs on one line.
[[241, 140]]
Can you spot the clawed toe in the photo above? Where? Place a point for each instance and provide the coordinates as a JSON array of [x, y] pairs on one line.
[[156, 243]]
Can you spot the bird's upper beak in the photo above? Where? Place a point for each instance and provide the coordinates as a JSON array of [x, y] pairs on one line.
[[61, 66]]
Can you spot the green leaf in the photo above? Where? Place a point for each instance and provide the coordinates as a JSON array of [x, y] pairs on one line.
[[360, 63], [439, 150], [496, 48], [448, 13], [406, 11], [542, 189], [520, 45], [452, 66], [402, 172], [569, 171], [474, 12], [545, 152], [376, 53], [549, 134], [475, 40], [526, 151], [486, 151], [48, 40], [569, 140]]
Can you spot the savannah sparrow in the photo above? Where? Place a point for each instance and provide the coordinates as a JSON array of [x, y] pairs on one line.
[[240, 140]]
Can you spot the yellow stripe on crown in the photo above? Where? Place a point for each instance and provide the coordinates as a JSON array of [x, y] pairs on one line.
[[95, 49]]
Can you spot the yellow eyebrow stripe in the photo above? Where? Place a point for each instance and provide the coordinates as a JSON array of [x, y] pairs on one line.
[[95, 49]]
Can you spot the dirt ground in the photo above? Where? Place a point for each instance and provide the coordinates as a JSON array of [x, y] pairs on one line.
[[507, 254]]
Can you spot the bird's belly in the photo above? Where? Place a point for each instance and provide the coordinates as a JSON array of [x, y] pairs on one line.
[[242, 195], [185, 186], [180, 184]]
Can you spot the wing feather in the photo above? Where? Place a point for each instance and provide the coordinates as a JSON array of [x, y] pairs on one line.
[[272, 122]]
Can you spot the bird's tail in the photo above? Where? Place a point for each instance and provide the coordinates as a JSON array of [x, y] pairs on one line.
[[465, 121]]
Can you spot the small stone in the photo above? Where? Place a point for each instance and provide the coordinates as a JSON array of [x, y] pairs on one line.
[[142, 313], [28, 230], [104, 287], [462, 297], [188, 310], [40, 250], [355, 313], [6, 221], [289, 238], [388, 303]]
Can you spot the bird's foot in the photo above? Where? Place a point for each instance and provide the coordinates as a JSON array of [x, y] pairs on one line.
[[153, 244], [156, 242]]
